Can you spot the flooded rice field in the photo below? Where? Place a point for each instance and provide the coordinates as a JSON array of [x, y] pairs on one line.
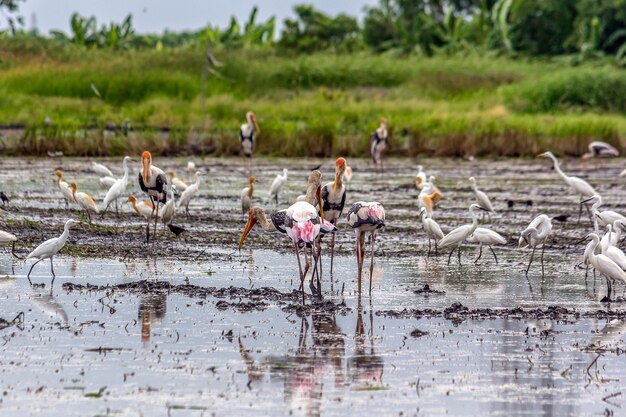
[[192, 326]]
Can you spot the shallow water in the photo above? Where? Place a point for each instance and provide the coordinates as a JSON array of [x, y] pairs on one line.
[[128, 353]]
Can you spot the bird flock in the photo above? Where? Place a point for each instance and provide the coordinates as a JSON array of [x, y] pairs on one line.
[[320, 212]]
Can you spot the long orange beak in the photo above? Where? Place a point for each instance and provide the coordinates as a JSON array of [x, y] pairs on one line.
[[251, 222], [146, 169], [541, 154], [320, 203], [256, 124]]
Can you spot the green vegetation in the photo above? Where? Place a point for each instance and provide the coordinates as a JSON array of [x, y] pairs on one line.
[[449, 85]]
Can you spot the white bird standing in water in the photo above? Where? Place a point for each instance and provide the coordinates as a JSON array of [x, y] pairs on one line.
[[169, 209], [247, 131], [178, 183], [456, 237], [580, 187], [605, 217], [481, 198], [420, 178], [189, 192], [378, 144], [101, 169], [117, 189], [191, 169], [604, 265], [246, 198], [614, 253], [107, 182], [534, 235], [613, 236], [6, 237], [49, 248], [432, 230], [277, 184], [484, 236]]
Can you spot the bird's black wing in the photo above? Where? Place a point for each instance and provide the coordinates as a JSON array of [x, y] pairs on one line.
[[343, 203], [352, 216], [325, 203], [141, 183]]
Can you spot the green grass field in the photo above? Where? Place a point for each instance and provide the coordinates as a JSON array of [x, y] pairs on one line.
[[324, 104]]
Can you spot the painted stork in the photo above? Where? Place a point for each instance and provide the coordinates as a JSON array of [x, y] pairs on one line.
[[334, 200], [598, 149], [365, 217], [68, 195], [432, 230], [482, 199], [188, 194], [277, 184], [378, 144], [456, 237], [580, 187], [85, 201], [247, 132], [152, 181], [49, 248], [117, 189], [534, 235], [484, 236], [246, 197]]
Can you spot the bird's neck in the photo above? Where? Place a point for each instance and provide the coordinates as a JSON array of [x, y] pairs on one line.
[[265, 224], [474, 187], [311, 198], [557, 168], [134, 203], [125, 170], [197, 180], [338, 183], [66, 233], [251, 189]]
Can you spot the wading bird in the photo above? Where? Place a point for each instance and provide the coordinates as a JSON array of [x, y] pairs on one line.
[[101, 169], [85, 201], [612, 237], [456, 237], [246, 197], [49, 248], [143, 209], [152, 181], [605, 217], [178, 183], [117, 189], [365, 217], [188, 194], [169, 209], [482, 199], [67, 193], [428, 196], [277, 184], [534, 235], [191, 169], [432, 230], [580, 187], [487, 237], [347, 175], [378, 144], [598, 149], [247, 132], [334, 200], [605, 266], [614, 253], [6, 237], [420, 178], [107, 182]]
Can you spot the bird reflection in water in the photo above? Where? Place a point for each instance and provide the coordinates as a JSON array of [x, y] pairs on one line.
[[152, 309], [365, 368], [47, 302]]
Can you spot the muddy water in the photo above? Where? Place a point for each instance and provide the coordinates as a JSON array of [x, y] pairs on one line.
[[171, 348]]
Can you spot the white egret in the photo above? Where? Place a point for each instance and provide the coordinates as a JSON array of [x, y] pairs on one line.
[[101, 169], [456, 237], [277, 184], [188, 194], [117, 189], [534, 235], [85, 201], [432, 230], [488, 237], [49, 248]]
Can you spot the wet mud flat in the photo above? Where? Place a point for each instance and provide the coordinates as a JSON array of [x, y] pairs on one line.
[[191, 326]]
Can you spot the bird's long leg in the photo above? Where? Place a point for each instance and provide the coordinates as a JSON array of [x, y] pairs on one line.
[[307, 263], [436, 250], [332, 253], [31, 270], [117, 210], [318, 248], [300, 268], [580, 210], [459, 248], [480, 252], [314, 291], [148, 227], [494, 254], [373, 244], [52, 270], [450, 256], [428, 255], [156, 218], [543, 248], [187, 210], [13, 252], [531, 260], [88, 216], [358, 261]]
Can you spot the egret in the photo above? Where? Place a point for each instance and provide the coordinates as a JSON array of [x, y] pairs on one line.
[[456, 237], [481, 198], [431, 228], [169, 209], [188, 194], [334, 200], [579, 186], [67, 193], [365, 217], [378, 144], [246, 197], [85, 201], [277, 184], [484, 236], [152, 181], [247, 132], [6, 237], [614, 253], [101, 169], [117, 189], [191, 169], [144, 209], [612, 237], [534, 235], [107, 182], [347, 175], [49, 248], [604, 265], [605, 217], [178, 183]]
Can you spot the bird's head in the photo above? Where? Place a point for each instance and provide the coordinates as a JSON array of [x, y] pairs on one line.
[[252, 179], [475, 207], [340, 163], [146, 160], [315, 177], [170, 173], [252, 118], [340, 168], [546, 155], [129, 159], [320, 204], [59, 174], [73, 187], [472, 180], [132, 199], [383, 122], [253, 218], [71, 222]]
